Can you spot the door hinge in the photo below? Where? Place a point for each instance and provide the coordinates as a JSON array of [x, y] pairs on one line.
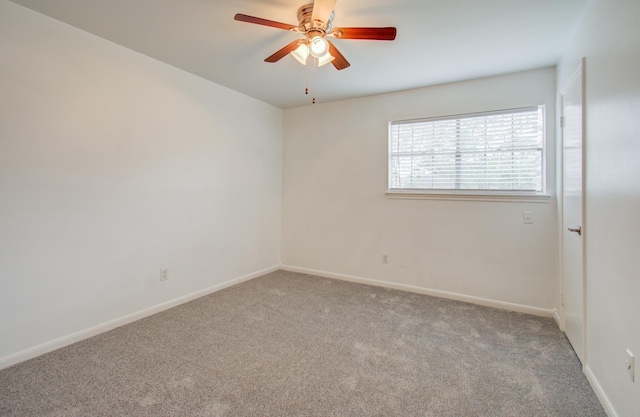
[[562, 299], [561, 121]]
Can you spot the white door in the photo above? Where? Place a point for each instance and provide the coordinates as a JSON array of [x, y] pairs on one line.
[[573, 288]]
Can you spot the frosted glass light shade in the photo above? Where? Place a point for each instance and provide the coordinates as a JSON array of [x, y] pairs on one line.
[[318, 47], [325, 59], [301, 53]]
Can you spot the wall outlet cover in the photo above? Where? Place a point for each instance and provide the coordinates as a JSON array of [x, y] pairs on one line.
[[631, 365]]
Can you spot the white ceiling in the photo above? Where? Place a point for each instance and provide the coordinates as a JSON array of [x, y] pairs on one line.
[[438, 41]]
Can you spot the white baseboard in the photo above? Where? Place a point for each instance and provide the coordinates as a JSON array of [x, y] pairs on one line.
[[536, 311], [129, 318], [597, 388], [556, 317]]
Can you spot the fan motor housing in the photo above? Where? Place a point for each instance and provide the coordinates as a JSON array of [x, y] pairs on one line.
[[304, 18]]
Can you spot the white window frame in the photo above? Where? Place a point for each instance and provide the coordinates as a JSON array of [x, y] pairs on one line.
[[482, 195]]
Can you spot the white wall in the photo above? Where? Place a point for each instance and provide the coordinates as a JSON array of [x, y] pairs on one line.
[[337, 219], [113, 165], [609, 38]]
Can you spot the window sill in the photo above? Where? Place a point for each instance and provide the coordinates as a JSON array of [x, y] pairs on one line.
[[468, 196]]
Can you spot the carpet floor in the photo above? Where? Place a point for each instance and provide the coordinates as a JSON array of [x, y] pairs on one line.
[[289, 344]]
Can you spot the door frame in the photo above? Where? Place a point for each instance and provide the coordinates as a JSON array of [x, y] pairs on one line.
[[581, 70]]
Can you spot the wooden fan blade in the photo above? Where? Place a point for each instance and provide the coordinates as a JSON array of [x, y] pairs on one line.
[[376, 34], [284, 51], [322, 11], [264, 22], [339, 61]]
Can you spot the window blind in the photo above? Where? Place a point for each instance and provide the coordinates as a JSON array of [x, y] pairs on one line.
[[496, 151]]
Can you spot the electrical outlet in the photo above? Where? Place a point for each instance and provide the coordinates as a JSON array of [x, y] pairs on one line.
[[527, 217], [164, 274], [385, 258], [631, 364]]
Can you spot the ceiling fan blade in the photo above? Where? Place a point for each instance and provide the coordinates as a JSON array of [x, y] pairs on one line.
[[377, 34], [264, 22], [339, 61], [322, 11], [284, 51]]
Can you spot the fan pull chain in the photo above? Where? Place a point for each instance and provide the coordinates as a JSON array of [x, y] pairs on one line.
[[313, 77], [306, 80], [314, 80]]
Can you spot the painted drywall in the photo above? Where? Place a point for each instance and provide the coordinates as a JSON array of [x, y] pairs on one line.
[[112, 166], [609, 39], [337, 219]]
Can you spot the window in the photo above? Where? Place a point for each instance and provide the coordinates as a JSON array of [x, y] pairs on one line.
[[500, 152]]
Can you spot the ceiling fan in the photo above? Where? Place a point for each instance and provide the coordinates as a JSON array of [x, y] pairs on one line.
[[314, 22]]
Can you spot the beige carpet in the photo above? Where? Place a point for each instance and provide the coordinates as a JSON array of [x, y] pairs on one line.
[[287, 344]]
